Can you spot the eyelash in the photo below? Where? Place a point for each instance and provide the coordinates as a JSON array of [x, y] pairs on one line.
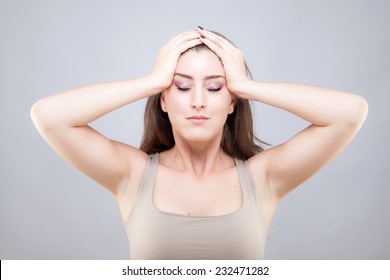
[[182, 89], [215, 89], [210, 89]]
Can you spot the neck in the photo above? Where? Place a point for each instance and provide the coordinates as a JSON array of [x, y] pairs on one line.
[[199, 158]]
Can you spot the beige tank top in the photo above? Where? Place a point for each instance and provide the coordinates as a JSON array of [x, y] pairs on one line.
[[154, 234]]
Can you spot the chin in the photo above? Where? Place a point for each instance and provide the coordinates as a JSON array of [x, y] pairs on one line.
[[198, 139], [200, 136]]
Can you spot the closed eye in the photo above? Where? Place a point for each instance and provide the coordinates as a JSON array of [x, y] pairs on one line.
[[214, 89], [182, 88]]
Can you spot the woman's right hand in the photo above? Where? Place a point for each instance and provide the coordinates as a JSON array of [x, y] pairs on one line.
[[165, 65]]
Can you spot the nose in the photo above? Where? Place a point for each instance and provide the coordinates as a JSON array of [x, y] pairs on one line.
[[198, 99]]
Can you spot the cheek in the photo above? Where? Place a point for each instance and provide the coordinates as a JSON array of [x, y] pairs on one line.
[[220, 103], [176, 106], [175, 102]]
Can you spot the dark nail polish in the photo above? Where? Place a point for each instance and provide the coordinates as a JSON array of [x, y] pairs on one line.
[[200, 27]]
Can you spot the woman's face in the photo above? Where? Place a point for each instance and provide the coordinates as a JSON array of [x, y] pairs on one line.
[[198, 101]]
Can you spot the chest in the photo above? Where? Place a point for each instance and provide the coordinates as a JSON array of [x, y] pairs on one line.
[[183, 194]]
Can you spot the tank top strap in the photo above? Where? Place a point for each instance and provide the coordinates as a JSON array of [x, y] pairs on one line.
[[247, 183], [146, 187]]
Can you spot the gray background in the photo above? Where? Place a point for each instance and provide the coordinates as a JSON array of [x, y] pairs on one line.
[[48, 210]]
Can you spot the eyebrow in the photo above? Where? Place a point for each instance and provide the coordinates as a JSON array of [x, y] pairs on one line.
[[205, 78]]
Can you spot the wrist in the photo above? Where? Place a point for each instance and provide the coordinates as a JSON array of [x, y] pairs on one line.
[[156, 84], [241, 87]]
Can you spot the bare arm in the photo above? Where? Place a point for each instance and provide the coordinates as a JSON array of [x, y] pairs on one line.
[[63, 119], [335, 119]]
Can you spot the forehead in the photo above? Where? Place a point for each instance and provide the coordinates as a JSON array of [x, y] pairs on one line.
[[200, 64]]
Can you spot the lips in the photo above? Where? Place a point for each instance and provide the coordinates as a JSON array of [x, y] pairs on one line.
[[198, 119]]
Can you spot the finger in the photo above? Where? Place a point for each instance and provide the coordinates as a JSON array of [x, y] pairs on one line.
[[190, 35], [179, 37], [204, 34], [213, 46], [189, 44], [217, 39]]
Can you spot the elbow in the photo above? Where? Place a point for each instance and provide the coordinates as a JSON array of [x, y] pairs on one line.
[[357, 112], [35, 112], [361, 110], [41, 116]]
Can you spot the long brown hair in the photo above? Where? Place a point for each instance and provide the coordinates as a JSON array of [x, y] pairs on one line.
[[238, 139]]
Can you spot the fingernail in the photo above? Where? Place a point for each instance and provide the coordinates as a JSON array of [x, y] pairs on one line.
[[200, 27]]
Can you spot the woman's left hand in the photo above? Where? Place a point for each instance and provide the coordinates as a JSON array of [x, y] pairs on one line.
[[231, 57]]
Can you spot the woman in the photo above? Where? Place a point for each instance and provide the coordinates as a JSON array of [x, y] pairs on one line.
[[199, 187]]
